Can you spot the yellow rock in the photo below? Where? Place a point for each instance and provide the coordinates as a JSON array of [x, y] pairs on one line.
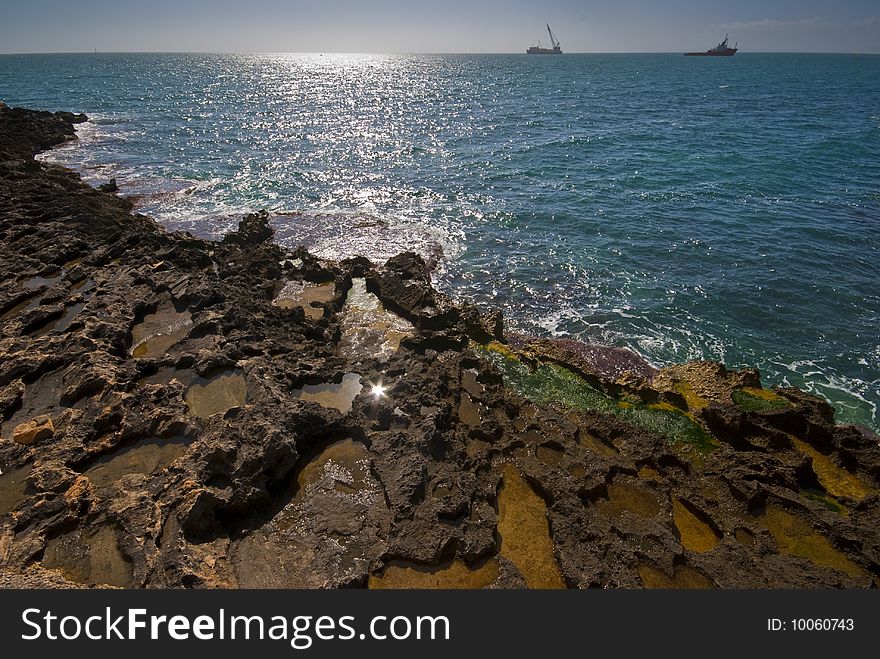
[[455, 575], [838, 482], [693, 399], [695, 533], [33, 431], [795, 537], [764, 394], [684, 578], [525, 533]]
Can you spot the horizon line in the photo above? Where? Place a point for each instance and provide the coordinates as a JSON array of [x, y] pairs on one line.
[[408, 53]]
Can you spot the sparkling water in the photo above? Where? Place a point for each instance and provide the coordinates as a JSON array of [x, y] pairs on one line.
[[688, 208]]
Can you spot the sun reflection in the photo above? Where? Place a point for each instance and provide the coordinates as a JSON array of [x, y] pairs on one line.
[[378, 390]]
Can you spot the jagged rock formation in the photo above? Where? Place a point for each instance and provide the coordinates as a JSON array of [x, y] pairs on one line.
[[178, 412]]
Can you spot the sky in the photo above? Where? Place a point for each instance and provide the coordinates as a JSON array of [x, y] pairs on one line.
[[440, 26]]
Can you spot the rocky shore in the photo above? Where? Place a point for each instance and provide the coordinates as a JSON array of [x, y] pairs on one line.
[[184, 413]]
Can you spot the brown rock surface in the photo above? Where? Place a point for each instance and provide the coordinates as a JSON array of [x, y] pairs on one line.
[[32, 431], [197, 461]]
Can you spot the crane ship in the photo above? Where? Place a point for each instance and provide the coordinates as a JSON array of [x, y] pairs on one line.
[[538, 50]]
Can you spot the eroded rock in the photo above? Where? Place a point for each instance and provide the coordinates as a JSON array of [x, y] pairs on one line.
[[35, 430], [373, 433]]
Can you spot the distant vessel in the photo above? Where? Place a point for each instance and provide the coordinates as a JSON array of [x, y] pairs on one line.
[[721, 50], [555, 50]]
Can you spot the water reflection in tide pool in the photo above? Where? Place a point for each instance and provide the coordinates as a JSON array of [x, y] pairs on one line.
[[333, 396], [330, 529], [147, 456], [369, 331], [216, 394], [13, 486], [303, 294], [89, 556], [160, 330]]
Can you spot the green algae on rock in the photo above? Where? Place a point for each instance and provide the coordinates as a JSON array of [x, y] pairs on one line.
[[829, 502], [552, 383], [751, 399]]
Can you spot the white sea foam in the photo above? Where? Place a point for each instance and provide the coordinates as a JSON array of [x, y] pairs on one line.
[[852, 394], [340, 234]]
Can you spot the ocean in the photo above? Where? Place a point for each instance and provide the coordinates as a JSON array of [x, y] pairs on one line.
[[687, 208]]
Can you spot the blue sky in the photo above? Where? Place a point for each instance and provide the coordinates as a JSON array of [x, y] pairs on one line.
[[450, 26]]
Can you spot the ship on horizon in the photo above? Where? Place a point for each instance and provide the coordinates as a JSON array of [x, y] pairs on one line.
[[538, 50], [721, 50]]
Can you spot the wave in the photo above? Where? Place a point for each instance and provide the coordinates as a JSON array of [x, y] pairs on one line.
[[341, 234]]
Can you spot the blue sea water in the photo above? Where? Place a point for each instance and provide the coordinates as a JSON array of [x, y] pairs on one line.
[[688, 208]]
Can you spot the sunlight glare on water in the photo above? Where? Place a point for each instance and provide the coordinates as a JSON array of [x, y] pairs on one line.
[[686, 209]]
